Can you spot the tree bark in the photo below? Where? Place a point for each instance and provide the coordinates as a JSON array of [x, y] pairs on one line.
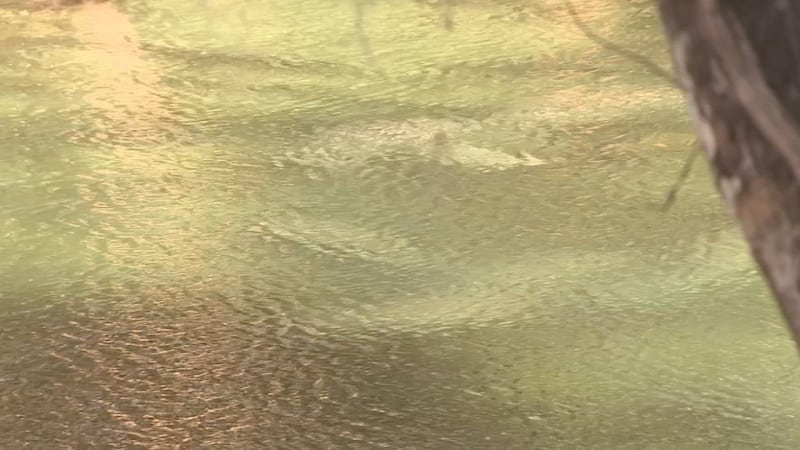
[[738, 62]]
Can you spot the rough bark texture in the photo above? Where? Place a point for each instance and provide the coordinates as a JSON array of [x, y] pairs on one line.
[[739, 63]]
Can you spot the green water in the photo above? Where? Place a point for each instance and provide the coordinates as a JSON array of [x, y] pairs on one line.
[[333, 224]]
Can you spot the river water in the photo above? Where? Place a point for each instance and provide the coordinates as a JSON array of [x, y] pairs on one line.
[[366, 224]]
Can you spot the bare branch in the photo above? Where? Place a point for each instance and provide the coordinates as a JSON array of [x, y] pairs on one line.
[[618, 49]]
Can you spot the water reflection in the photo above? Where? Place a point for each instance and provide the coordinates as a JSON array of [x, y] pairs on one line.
[[123, 90], [224, 227]]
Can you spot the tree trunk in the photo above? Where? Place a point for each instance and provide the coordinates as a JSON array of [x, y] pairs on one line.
[[739, 64]]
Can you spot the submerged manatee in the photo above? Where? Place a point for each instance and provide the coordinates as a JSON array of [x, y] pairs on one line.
[[446, 142]]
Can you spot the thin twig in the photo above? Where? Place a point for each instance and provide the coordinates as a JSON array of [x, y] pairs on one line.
[[682, 177], [655, 70], [608, 45]]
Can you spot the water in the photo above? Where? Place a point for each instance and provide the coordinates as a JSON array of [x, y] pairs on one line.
[[236, 224]]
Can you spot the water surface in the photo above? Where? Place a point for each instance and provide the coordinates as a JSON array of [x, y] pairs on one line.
[[239, 224]]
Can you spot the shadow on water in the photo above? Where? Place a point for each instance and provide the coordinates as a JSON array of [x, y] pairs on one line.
[[241, 225]]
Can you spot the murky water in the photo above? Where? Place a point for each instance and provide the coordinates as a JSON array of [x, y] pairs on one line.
[[333, 224]]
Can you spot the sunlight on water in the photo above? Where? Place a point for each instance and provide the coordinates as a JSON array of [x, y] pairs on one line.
[[364, 224]]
